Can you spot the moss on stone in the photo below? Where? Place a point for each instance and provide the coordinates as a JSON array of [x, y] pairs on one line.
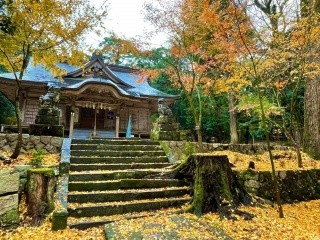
[[248, 174], [180, 153], [59, 219], [11, 217], [166, 148], [48, 172]]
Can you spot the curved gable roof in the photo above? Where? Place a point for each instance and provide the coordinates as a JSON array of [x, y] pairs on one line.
[[123, 79]]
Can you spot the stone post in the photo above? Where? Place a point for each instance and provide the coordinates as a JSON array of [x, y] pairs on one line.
[[71, 124], [117, 126], [95, 123]]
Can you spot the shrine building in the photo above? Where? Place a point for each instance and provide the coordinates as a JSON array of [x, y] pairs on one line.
[[95, 99]]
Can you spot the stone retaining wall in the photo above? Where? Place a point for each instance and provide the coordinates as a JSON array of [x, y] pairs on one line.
[[49, 143], [178, 151], [9, 209], [299, 185]]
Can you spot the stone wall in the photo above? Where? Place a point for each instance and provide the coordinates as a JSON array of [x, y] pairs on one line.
[[178, 151], [49, 143], [9, 208], [299, 185]]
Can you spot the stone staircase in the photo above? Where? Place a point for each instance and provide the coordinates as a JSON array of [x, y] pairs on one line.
[[109, 177]]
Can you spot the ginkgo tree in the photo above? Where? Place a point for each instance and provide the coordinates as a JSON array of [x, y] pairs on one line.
[[44, 32]]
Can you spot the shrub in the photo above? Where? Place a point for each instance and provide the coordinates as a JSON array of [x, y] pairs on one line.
[[37, 157]]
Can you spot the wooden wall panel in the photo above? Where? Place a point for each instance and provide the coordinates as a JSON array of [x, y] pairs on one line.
[[31, 111]]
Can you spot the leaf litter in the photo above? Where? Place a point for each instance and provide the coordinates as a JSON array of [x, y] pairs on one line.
[[301, 222], [301, 219]]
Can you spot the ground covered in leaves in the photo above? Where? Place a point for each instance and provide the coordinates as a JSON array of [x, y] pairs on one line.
[[49, 159], [284, 160], [301, 219], [301, 222]]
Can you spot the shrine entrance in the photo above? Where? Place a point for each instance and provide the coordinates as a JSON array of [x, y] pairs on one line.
[[87, 118], [94, 121], [96, 118], [105, 119]]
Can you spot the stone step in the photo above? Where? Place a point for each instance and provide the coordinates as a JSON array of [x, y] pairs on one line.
[[112, 175], [126, 195], [124, 184], [101, 166], [117, 160], [108, 209], [115, 141], [112, 153], [89, 222], [103, 147]]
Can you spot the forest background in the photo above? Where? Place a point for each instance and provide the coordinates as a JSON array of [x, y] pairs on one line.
[[242, 69]]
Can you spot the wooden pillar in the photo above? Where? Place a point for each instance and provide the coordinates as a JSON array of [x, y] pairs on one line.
[[71, 124], [95, 123], [117, 126]]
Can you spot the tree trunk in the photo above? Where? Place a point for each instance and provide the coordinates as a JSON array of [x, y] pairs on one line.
[[311, 141], [273, 168], [18, 146], [216, 187], [40, 193], [233, 120], [199, 136], [311, 138]]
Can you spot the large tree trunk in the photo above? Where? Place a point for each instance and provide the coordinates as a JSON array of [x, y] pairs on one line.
[[216, 187], [40, 194], [311, 138], [233, 120], [312, 117]]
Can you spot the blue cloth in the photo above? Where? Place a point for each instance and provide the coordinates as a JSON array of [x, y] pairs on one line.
[[128, 132]]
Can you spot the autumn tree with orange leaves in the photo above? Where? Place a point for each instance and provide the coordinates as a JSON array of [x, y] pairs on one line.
[[210, 41], [195, 58], [277, 62]]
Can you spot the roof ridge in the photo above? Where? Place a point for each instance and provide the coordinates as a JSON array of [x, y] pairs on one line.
[[114, 67]]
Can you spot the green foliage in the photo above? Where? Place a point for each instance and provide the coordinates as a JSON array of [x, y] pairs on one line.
[[7, 115], [215, 122], [119, 51], [3, 69], [154, 117], [250, 104], [37, 157], [189, 148], [6, 24], [215, 116]]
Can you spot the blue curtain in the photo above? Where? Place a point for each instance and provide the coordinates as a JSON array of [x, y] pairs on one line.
[[128, 132]]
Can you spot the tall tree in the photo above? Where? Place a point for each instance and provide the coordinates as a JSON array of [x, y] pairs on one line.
[[310, 9], [242, 49], [48, 31]]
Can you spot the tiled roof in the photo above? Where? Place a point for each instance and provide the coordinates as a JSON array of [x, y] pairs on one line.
[[127, 75]]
